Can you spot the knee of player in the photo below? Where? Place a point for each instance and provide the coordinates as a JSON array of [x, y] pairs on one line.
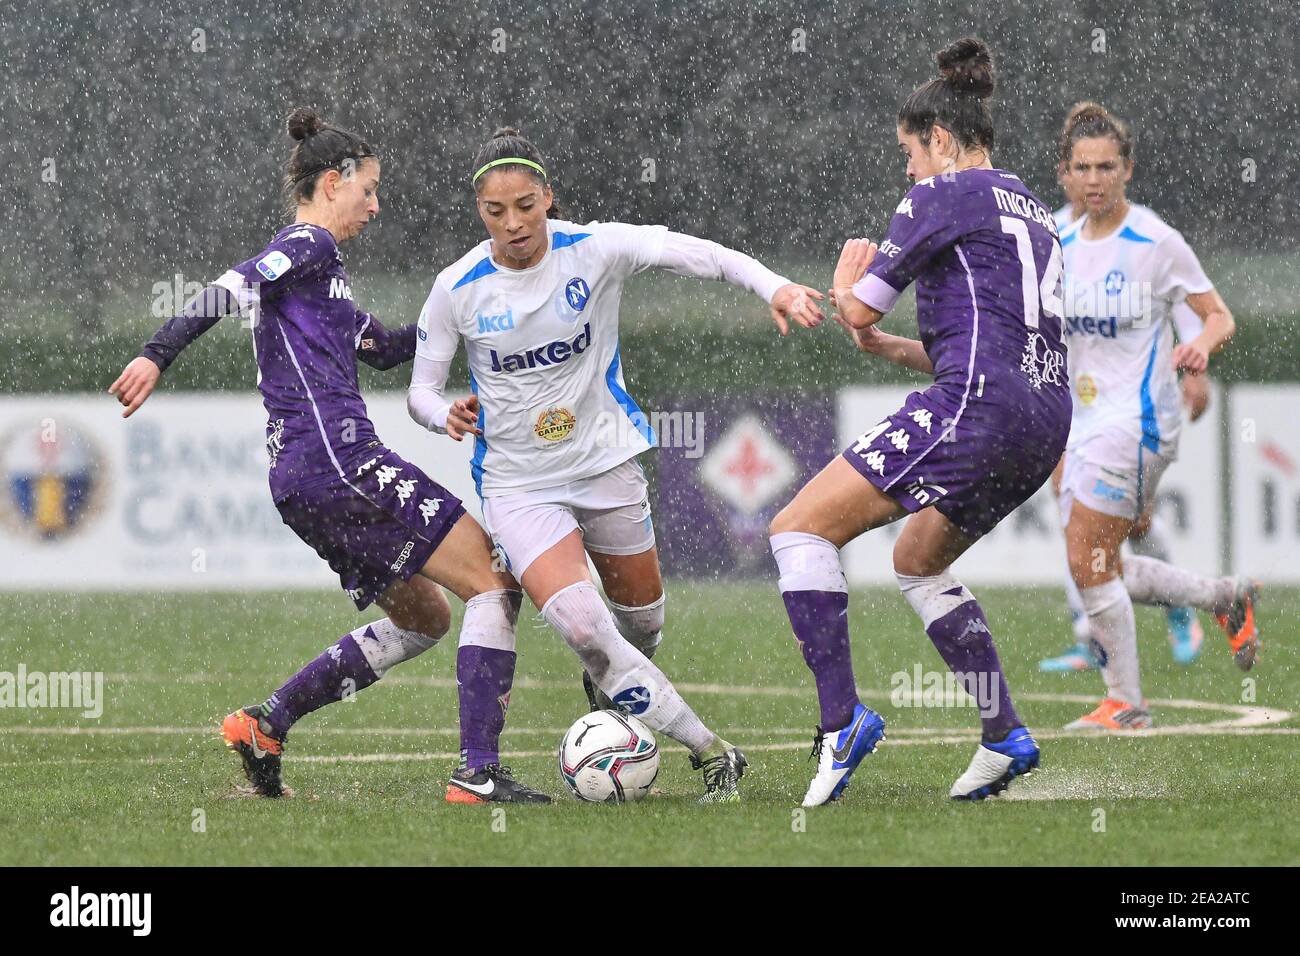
[[911, 563], [787, 519], [431, 618]]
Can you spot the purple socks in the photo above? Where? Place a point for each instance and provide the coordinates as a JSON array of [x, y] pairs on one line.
[[340, 671], [821, 626], [963, 640], [483, 678]]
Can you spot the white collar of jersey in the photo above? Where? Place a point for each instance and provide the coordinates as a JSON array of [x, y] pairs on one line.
[[505, 270], [1077, 227]]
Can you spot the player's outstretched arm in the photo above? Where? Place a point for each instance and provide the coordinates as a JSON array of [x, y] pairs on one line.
[[384, 348], [704, 259], [138, 379], [909, 353]]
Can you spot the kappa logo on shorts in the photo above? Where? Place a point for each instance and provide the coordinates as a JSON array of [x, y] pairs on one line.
[[401, 558], [428, 508]]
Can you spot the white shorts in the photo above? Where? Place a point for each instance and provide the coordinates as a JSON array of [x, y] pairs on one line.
[[1111, 473], [612, 510]]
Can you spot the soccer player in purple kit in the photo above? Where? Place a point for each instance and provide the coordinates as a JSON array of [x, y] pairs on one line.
[[391, 533], [957, 457]]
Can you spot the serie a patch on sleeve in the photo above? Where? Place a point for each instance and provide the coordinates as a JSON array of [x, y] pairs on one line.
[[273, 265]]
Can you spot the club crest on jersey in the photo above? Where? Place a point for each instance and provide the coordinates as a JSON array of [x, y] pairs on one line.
[[1041, 363], [1114, 282], [1087, 388], [555, 424], [273, 265], [577, 292], [569, 305], [552, 353]]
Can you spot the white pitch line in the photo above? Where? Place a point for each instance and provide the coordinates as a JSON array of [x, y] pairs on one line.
[[954, 737]]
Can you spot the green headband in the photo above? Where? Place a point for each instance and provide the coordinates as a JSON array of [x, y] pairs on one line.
[[510, 159]]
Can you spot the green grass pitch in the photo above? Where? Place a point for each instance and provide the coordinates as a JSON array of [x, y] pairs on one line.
[[149, 783]]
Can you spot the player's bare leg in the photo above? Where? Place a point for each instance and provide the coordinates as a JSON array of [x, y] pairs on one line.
[[1092, 541]]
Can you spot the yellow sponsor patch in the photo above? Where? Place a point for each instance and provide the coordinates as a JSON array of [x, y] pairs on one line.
[[555, 424], [1087, 389]]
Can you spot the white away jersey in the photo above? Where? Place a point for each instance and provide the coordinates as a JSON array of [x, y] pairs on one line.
[[1120, 293], [543, 354]]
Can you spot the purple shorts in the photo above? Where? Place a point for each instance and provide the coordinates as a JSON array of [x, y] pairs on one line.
[[973, 476], [379, 526]]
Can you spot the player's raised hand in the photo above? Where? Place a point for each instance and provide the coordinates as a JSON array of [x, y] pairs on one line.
[[855, 259], [797, 303], [1191, 357], [135, 384], [462, 418], [867, 340]]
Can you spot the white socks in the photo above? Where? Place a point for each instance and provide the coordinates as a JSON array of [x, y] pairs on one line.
[[384, 644], [1155, 582], [641, 626], [490, 619], [933, 597], [1114, 632], [807, 562], [619, 669]]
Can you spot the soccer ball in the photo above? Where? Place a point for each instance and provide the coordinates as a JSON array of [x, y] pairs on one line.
[[609, 757]]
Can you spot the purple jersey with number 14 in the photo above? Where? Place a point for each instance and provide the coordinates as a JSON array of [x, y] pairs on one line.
[[984, 254]]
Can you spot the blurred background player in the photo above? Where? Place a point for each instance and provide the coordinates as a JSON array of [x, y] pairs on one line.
[[1125, 269], [556, 434], [959, 456], [1149, 534], [390, 532]]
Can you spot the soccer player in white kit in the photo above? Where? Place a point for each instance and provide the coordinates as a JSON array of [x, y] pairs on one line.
[[556, 433], [1125, 268], [1148, 537]]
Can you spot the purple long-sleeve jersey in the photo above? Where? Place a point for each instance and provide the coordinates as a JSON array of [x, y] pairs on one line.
[[984, 253], [308, 335]]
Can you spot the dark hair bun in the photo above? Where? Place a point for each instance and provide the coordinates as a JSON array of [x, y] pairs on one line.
[[503, 131], [967, 67], [304, 122]]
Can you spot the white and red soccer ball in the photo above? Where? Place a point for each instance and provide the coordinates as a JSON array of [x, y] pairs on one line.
[[608, 756]]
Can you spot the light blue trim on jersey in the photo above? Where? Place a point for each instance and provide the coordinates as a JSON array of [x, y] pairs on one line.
[[480, 443], [628, 404], [1141, 505], [1068, 238], [1128, 233], [484, 268], [1150, 427], [561, 239]]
